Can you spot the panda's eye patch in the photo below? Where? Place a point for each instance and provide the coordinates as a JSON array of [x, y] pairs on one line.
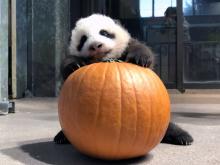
[[82, 42], [107, 34]]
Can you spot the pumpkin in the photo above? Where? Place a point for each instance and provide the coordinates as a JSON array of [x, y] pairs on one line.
[[114, 110]]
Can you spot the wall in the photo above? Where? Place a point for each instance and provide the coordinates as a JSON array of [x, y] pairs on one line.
[[3, 49], [42, 32]]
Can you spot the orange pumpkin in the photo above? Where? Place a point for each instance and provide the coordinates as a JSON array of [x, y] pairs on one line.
[[114, 110]]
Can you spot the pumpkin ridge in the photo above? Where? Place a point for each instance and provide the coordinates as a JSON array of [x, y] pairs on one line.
[[151, 109], [159, 121], [64, 88], [67, 82], [159, 84], [155, 86], [146, 80], [76, 112], [99, 105], [119, 139], [91, 72], [136, 110]]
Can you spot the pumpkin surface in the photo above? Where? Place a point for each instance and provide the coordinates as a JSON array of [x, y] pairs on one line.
[[114, 110]]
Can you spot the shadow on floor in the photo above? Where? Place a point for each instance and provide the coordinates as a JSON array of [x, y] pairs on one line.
[[50, 153], [197, 118], [198, 115]]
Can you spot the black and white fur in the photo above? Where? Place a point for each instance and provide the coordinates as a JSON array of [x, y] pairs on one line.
[[97, 38]]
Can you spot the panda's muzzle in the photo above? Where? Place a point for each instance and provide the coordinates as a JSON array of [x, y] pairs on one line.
[[95, 47]]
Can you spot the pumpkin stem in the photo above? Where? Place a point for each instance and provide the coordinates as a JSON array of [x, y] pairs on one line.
[[111, 60]]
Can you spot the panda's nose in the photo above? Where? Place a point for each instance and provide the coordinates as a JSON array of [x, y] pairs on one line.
[[95, 46]]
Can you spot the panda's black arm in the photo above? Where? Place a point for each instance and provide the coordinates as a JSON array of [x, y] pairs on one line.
[[138, 53], [70, 64]]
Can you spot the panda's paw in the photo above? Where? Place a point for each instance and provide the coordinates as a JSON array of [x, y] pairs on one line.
[[183, 139], [60, 138], [140, 59], [177, 136]]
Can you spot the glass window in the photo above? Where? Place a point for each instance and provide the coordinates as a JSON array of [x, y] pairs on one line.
[[201, 52], [160, 6], [205, 7], [188, 7], [146, 8]]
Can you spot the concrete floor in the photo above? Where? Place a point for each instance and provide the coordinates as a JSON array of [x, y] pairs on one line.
[[26, 136]]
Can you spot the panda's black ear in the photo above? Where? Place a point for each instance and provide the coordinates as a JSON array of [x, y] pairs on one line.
[[117, 21]]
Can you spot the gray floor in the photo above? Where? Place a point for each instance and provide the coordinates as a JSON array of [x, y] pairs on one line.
[[26, 136]]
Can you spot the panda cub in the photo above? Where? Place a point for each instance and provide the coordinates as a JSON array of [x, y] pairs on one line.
[[97, 38]]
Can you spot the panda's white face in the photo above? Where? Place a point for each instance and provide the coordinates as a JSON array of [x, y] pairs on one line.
[[98, 36]]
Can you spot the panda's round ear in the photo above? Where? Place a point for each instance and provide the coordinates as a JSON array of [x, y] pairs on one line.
[[117, 21]]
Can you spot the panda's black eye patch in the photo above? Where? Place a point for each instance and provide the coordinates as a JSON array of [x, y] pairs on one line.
[[107, 34], [82, 42]]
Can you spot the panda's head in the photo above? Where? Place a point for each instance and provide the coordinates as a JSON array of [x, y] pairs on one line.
[[98, 36]]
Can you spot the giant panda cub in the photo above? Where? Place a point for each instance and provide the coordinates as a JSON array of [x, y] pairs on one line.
[[97, 38]]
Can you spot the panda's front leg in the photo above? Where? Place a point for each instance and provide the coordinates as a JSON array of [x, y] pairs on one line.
[[176, 135], [139, 54]]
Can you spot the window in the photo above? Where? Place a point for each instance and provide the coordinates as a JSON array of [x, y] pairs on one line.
[[160, 6], [201, 7], [205, 7], [146, 8], [150, 8], [188, 7]]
